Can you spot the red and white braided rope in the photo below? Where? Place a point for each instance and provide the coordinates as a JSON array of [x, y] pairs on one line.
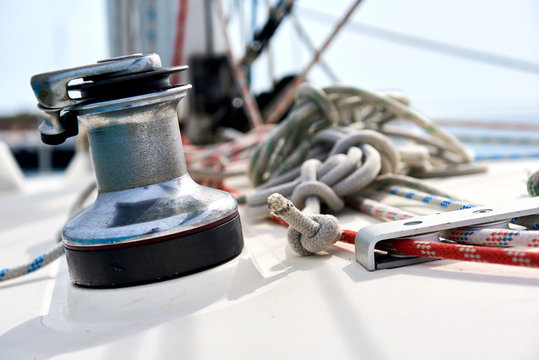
[[438, 250], [486, 237], [491, 255], [471, 236], [493, 237]]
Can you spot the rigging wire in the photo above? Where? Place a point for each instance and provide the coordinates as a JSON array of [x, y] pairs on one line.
[[304, 37], [179, 43], [270, 54], [250, 105], [430, 45], [254, 13], [208, 27], [282, 106], [254, 18], [244, 33]]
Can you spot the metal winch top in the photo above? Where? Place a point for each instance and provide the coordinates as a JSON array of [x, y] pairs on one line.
[[150, 220], [64, 93]]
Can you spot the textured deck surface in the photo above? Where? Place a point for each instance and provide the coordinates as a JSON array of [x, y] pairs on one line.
[[269, 302]]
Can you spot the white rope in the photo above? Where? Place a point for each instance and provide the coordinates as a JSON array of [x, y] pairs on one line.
[[52, 254], [338, 176], [55, 251], [307, 235]]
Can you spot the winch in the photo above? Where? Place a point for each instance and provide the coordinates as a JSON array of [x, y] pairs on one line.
[[150, 220]]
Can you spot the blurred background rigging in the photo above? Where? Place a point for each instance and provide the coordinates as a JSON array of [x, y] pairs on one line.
[[455, 60]]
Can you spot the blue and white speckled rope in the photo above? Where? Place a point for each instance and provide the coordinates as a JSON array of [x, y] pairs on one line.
[[52, 254], [530, 222], [444, 202], [501, 157]]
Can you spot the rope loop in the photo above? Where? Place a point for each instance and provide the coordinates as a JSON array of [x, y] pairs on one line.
[[338, 176], [388, 151], [309, 93], [322, 191]]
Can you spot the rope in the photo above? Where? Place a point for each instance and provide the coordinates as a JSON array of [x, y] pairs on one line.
[[323, 126], [376, 209], [410, 182], [339, 175], [403, 247], [401, 111], [501, 157], [477, 236], [443, 202], [462, 252], [344, 160], [211, 163], [307, 235], [533, 184], [55, 251], [320, 117], [493, 237], [52, 254], [473, 236], [530, 222]]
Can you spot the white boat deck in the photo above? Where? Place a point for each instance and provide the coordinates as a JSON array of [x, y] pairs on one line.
[[270, 303]]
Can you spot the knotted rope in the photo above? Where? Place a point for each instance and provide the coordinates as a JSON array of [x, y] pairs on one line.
[[307, 234]]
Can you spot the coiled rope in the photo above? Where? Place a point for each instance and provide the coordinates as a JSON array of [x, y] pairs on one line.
[[295, 139], [329, 147]]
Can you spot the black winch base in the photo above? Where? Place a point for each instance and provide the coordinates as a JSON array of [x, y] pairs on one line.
[[156, 261]]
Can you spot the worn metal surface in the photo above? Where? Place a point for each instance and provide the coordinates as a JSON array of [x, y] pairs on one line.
[[136, 143], [146, 212], [51, 88]]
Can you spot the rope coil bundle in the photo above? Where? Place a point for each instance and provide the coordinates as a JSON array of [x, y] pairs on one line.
[[324, 152], [332, 144]]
